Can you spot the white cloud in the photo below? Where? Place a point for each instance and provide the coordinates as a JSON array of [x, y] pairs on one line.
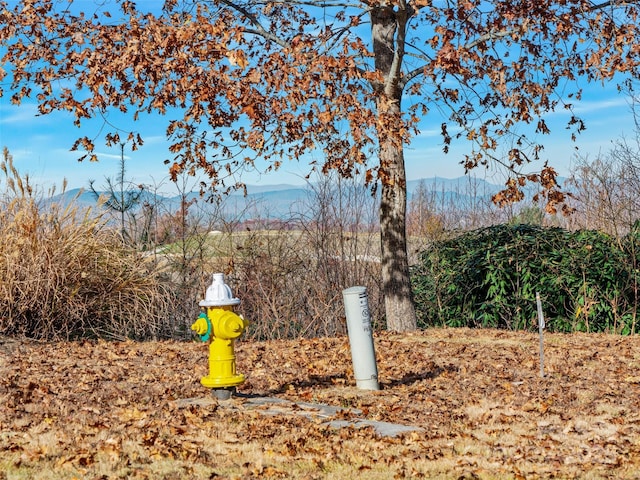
[[429, 133], [601, 105], [23, 114], [111, 156]]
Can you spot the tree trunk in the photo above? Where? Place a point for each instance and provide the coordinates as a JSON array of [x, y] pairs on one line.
[[396, 285], [388, 48]]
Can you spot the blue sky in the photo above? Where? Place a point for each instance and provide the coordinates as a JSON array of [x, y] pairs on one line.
[[40, 145]]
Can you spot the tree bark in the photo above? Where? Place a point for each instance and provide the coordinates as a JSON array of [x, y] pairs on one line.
[[387, 28], [396, 285]]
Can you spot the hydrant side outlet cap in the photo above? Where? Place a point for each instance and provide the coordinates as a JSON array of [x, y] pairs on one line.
[[219, 293]]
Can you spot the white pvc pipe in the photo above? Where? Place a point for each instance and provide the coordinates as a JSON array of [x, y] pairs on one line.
[[365, 369]]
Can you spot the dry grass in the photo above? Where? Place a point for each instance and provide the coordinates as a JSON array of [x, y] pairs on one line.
[[65, 274]]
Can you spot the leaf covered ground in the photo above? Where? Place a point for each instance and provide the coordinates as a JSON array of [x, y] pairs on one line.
[[103, 410]]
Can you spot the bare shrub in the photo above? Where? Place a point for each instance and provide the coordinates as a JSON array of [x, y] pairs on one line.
[[65, 274], [606, 189], [190, 238], [290, 281]]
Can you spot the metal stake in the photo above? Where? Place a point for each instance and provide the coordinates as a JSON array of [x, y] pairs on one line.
[[540, 329]]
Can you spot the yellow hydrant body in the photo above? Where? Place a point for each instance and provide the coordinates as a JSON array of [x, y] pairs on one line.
[[220, 323]]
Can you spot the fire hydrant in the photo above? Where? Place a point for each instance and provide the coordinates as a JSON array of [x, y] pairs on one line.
[[219, 323]]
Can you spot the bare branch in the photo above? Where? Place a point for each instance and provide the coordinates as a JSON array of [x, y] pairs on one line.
[[259, 29], [488, 37]]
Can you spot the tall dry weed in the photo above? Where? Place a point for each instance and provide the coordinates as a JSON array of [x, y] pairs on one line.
[[65, 274]]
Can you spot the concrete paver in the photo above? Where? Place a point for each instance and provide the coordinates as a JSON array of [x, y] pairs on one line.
[[274, 406]]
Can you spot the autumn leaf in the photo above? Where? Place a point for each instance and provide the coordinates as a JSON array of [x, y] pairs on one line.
[[237, 58], [476, 394]]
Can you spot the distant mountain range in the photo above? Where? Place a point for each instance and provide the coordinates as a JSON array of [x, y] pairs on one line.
[[282, 200]]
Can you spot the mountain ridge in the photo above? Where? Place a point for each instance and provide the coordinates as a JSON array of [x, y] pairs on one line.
[[278, 199]]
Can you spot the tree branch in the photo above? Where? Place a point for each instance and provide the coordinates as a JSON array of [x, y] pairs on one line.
[[487, 37], [611, 3], [395, 74], [259, 29]]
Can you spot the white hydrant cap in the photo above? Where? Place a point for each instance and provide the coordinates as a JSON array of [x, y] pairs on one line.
[[219, 293]]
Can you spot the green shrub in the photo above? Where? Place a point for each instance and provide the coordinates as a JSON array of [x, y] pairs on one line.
[[489, 278]]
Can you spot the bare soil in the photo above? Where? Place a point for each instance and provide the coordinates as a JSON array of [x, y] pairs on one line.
[[105, 410]]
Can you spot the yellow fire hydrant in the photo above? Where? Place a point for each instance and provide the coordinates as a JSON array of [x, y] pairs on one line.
[[219, 323]]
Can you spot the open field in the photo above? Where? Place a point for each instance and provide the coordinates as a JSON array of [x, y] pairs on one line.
[[102, 410]]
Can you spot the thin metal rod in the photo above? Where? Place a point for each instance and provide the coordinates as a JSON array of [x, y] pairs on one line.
[[540, 329]]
